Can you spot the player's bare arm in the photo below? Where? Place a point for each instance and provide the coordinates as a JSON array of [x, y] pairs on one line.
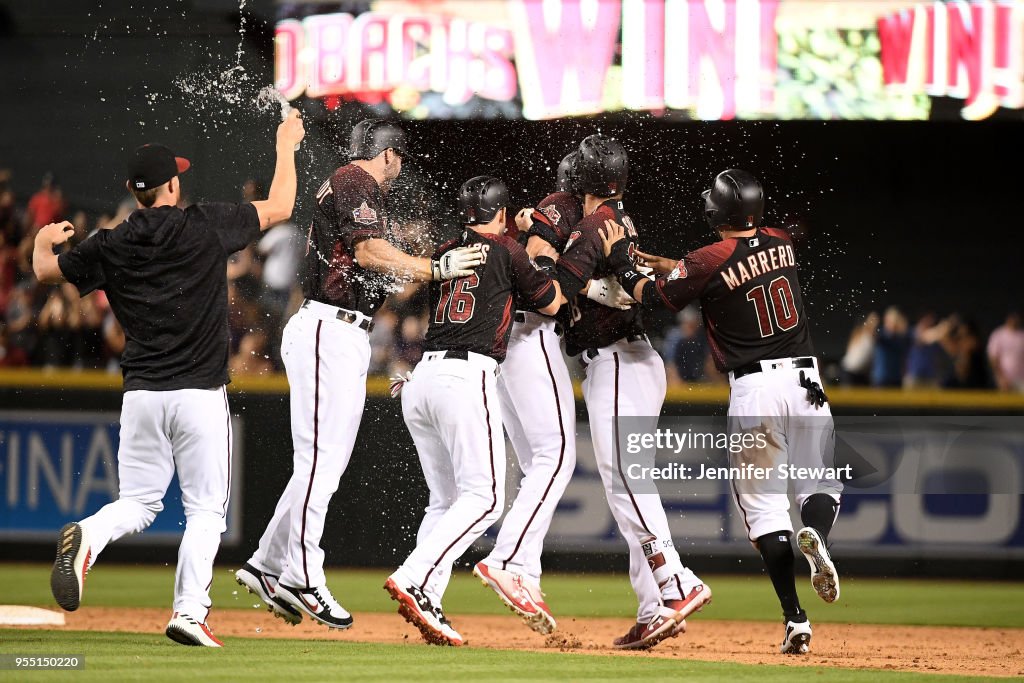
[[383, 257], [280, 203], [44, 261], [659, 264]]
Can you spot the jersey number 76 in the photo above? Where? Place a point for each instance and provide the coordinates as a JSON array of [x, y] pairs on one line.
[[777, 303]]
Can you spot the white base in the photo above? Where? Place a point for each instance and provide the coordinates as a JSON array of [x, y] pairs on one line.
[[21, 615]]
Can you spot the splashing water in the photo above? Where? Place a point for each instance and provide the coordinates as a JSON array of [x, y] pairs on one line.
[[268, 96]]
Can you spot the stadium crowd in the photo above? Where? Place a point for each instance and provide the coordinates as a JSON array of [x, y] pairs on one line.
[[52, 327]]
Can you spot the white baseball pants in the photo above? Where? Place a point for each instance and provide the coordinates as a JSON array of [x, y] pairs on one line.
[[539, 412], [326, 361], [804, 437], [188, 431], [452, 410], [628, 379]]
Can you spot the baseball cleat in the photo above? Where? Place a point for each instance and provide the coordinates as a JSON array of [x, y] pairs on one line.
[[634, 640], [187, 630], [824, 576], [317, 603], [517, 597], [674, 612], [67, 578], [417, 609], [798, 638], [263, 585]]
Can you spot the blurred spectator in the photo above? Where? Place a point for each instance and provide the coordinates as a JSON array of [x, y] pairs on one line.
[[8, 268], [47, 204], [408, 344], [252, 357], [252, 191], [891, 344], [54, 347], [686, 348], [80, 221], [965, 348], [10, 356], [281, 249], [1006, 354], [860, 352], [926, 354], [21, 317]]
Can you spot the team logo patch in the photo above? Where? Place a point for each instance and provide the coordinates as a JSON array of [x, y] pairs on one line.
[[552, 213], [364, 214], [678, 272], [573, 236]]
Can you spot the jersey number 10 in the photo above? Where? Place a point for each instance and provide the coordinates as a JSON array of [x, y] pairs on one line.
[[457, 302], [782, 306]]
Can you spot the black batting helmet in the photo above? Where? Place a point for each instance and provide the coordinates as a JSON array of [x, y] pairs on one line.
[[370, 137], [564, 180], [481, 198], [602, 167], [735, 199]]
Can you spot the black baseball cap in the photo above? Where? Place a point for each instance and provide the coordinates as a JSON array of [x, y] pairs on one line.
[[153, 165]]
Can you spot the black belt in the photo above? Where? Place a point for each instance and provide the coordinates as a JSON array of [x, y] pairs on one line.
[[591, 354], [345, 316], [457, 354], [520, 317], [798, 363]]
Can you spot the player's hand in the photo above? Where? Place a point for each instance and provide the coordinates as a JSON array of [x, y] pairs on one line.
[[56, 233], [610, 234], [524, 219], [608, 292], [659, 264], [457, 263], [291, 131]]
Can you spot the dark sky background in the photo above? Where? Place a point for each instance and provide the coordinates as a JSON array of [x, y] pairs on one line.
[[924, 215]]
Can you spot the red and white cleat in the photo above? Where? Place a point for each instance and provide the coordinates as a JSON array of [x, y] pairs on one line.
[[187, 630], [525, 600]]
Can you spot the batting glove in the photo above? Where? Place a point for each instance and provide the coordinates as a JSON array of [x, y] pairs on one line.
[[456, 263], [608, 292], [815, 394]]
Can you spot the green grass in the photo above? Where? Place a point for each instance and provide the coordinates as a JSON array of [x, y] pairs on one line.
[[130, 657], [878, 601]]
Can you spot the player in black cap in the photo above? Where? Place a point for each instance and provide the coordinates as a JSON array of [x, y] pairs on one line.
[[352, 263], [451, 404], [163, 270], [757, 329]]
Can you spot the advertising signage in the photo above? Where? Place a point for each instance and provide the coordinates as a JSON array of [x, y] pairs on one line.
[[702, 59]]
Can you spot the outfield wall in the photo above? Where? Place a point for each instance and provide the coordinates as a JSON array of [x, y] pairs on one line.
[[58, 440]]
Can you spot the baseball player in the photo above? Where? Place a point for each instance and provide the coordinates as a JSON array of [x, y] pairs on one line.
[[757, 329], [351, 266], [163, 270], [539, 414], [452, 406], [625, 376]]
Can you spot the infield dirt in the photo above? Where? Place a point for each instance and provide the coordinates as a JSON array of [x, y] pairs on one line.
[[922, 649]]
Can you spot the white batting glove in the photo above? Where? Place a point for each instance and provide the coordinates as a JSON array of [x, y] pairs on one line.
[[646, 271], [458, 262], [524, 219], [608, 292]]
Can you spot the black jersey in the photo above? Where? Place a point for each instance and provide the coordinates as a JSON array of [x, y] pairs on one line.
[[475, 313], [560, 211], [590, 324], [163, 270], [749, 295], [350, 207]]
